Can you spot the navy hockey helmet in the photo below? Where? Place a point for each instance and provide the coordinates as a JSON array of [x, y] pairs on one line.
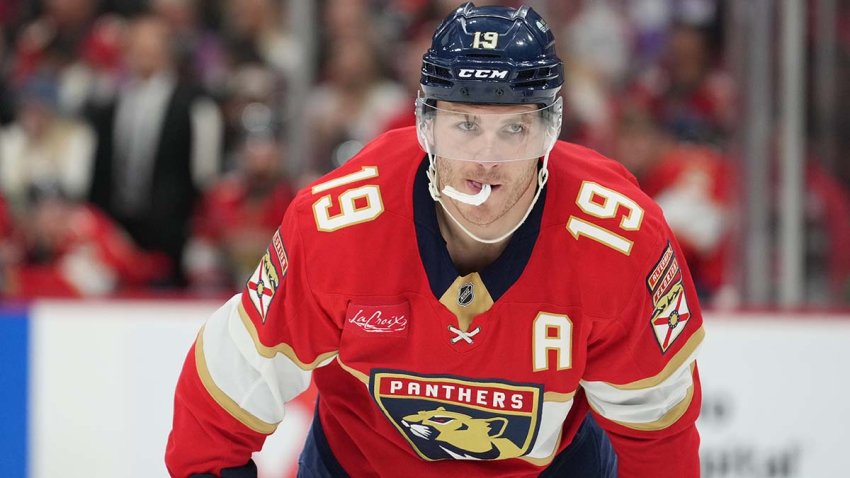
[[492, 55]]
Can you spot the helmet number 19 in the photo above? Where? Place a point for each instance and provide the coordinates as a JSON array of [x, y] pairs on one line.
[[487, 40], [599, 201]]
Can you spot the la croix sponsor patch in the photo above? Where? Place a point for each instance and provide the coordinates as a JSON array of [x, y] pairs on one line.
[[453, 418], [264, 282], [390, 320], [670, 312]]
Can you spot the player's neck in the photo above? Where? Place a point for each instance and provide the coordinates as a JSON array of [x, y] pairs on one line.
[[468, 254]]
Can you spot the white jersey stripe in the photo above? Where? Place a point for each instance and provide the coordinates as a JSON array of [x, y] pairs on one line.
[[223, 400], [653, 407], [250, 386], [282, 348], [549, 435]]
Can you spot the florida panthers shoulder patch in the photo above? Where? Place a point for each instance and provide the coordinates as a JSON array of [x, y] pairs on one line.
[[670, 307], [266, 279]]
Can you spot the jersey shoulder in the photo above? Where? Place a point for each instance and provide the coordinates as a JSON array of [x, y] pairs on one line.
[[388, 163], [351, 219], [602, 219]]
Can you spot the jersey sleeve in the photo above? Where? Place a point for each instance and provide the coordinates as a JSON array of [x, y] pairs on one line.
[[251, 357], [641, 380]]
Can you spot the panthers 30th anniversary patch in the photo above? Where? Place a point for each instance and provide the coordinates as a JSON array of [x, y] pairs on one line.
[[670, 313], [266, 279], [453, 418]]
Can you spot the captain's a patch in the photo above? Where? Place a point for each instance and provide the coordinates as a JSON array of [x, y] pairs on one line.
[[670, 313], [266, 279]]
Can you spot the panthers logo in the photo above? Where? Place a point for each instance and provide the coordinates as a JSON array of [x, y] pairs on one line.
[[457, 418], [461, 436], [665, 300]]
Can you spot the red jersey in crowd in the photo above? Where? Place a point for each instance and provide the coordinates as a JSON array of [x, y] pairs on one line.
[[89, 255], [236, 218], [693, 185]]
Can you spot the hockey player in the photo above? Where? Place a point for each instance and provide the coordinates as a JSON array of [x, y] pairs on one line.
[[472, 298]]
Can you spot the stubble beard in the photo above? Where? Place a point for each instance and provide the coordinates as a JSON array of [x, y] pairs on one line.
[[491, 211]]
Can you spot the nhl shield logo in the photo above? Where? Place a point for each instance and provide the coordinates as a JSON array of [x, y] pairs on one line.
[[447, 418], [465, 294]]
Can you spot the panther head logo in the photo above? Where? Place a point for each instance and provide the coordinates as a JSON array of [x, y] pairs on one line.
[[665, 300], [462, 436]]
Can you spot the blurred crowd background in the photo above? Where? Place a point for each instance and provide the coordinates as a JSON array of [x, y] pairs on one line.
[[150, 148]]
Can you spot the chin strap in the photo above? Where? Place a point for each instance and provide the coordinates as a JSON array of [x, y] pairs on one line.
[[542, 177]]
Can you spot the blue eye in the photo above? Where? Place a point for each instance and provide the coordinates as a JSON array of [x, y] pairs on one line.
[[467, 125], [515, 128]]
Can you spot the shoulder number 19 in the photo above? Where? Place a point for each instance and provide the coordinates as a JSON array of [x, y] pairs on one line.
[[350, 212], [599, 201]]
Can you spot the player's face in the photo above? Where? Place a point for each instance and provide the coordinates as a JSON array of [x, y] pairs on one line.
[[486, 133], [512, 182]]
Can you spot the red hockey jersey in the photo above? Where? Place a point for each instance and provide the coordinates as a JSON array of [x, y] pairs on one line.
[[422, 372]]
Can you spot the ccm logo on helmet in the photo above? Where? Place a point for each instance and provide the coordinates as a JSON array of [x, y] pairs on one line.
[[482, 74]]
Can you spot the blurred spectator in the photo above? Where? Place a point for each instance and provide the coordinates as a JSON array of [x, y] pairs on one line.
[[687, 93], [5, 221], [693, 185], [42, 146], [199, 52], [248, 84], [240, 212], [254, 32], [352, 105], [159, 143], [8, 251], [596, 49], [409, 63], [827, 213], [74, 250], [346, 19], [7, 109], [54, 42], [94, 77]]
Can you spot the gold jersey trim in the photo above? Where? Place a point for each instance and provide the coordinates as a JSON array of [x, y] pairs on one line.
[[669, 418], [222, 399], [674, 364], [558, 397], [354, 372], [284, 349]]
